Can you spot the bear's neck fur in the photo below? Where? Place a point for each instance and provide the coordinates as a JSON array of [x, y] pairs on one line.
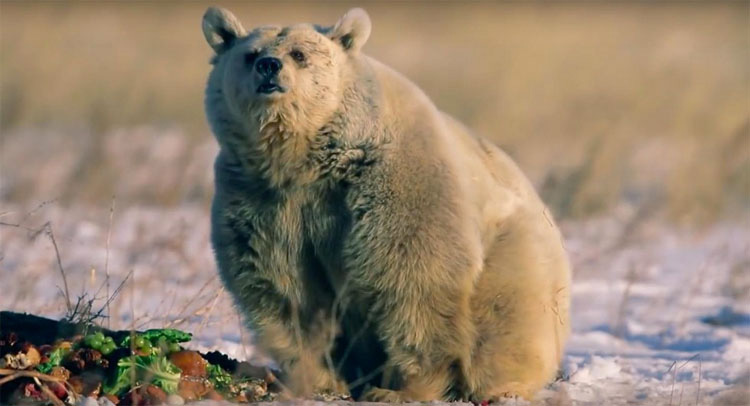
[[280, 150], [285, 146]]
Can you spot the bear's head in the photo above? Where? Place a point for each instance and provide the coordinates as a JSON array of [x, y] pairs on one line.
[[286, 79]]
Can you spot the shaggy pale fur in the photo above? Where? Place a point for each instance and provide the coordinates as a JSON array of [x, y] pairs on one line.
[[370, 240]]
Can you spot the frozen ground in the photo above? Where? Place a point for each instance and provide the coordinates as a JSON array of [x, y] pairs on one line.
[[661, 315]]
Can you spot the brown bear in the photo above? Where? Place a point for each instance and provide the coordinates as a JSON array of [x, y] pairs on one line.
[[372, 242]]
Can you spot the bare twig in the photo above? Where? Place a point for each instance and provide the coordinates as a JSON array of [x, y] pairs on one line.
[[50, 395], [132, 325], [36, 209], [688, 360], [181, 317], [11, 374], [675, 368], [670, 367], [700, 378], [48, 230], [83, 313], [33, 232], [29, 229], [106, 257], [207, 313], [366, 378], [340, 302], [356, 336], [674, 376], [119, 288], [25, 217]]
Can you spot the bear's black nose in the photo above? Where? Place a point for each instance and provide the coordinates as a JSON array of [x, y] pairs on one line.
[[268, 66]]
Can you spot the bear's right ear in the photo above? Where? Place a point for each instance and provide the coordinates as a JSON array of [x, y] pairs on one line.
[[221, 28]]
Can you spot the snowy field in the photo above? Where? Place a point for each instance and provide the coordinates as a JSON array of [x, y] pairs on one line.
[[661, 315], [630, 117]]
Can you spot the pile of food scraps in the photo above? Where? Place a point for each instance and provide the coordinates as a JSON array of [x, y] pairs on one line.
[[101, 367]]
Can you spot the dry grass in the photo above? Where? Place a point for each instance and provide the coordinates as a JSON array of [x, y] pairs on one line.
[[599, 103]]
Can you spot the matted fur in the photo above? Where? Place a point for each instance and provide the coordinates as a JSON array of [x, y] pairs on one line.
[[369, 238]]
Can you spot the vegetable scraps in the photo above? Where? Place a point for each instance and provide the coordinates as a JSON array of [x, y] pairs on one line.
[[136, 370], [98, 365]]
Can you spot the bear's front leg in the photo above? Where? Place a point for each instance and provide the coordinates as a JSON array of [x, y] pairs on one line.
[[259, 264], [411, 257], [299, 346], [423, 322]]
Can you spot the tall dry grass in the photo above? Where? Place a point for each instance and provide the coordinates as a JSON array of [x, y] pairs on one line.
[[599, 103]]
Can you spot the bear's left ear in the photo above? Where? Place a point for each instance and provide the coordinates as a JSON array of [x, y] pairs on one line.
[[352, 30]]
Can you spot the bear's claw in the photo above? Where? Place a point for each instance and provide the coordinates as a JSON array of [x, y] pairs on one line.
[[383, 395]]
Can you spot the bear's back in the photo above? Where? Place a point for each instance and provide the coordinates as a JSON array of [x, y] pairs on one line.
[[493, 186]]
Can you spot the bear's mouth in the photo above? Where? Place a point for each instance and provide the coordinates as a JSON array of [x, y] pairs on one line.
[[270, 87]]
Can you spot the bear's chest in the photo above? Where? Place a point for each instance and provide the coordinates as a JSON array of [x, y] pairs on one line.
[[304, 229], [326, 223]]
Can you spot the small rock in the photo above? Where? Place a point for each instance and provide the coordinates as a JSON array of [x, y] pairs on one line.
[[175, 400]]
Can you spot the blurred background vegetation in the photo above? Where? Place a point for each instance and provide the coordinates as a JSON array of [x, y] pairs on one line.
[[641, 104]]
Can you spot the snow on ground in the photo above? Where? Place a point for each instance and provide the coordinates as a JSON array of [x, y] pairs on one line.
[[661, 314], [662, 318]]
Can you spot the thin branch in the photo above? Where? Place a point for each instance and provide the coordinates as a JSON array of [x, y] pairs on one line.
[[48, 229], [671, 393], [700, 378], [106, 258], [366, 378], [119, 288], [180, 318], [688, 360], [36, 209], [50, 395], [11, 374], [29, 229], [207, 314], [675, 368]]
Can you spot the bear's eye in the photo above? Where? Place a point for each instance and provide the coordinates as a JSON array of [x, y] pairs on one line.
[[297, 55], [250, 58]]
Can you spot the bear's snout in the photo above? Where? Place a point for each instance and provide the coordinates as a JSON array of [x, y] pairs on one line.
[[268, 66]]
